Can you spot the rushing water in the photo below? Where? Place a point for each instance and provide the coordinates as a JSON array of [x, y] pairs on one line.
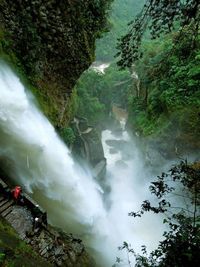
[[100, 67], [74, 201], [128, 183]]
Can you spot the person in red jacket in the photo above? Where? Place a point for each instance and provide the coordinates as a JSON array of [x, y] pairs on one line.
[[16, 192]]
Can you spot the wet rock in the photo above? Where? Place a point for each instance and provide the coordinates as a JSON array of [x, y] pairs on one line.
[[58, 262], [99, 170], [88, 145], [59, 251], [21, 220], [44, 251], [118, 144], [121, 164], [72, 256], [113, 151]]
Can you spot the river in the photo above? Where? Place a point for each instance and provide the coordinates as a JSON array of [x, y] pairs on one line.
[[128, 180]]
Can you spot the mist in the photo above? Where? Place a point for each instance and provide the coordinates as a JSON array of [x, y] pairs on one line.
[[74, 200]]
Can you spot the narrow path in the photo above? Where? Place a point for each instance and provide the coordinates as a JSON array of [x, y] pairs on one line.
[[6, 206], [57, 248]]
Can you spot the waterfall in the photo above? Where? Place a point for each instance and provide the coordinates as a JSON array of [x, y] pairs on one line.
[[42, 163]]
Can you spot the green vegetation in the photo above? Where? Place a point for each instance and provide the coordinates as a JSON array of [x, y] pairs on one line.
[[164, 104], [88, 88], [122, 12], [169, 96], [96, 92], [157, 17], [181, 243], [67, 135], [53, 43], [14, 252]]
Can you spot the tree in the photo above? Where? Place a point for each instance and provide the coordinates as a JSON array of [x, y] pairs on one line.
[[181, 244], [158, 16]]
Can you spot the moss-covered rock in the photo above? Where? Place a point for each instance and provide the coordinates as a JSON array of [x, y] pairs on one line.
[[15, 252], [54, 41]]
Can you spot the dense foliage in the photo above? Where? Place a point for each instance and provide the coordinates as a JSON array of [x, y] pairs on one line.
[[67, 135], [122, 12], [53, 42], [169, 96], [159, 16], [97, 92], [181, 243]]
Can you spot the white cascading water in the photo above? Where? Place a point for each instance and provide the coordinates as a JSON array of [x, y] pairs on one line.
[[129, 184], [73, 200]]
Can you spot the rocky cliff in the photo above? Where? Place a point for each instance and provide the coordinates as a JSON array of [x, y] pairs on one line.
[[88, 146], [50, 43], [53, 42]]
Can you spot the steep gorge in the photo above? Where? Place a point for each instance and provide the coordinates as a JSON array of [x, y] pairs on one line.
[[49, 44]]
